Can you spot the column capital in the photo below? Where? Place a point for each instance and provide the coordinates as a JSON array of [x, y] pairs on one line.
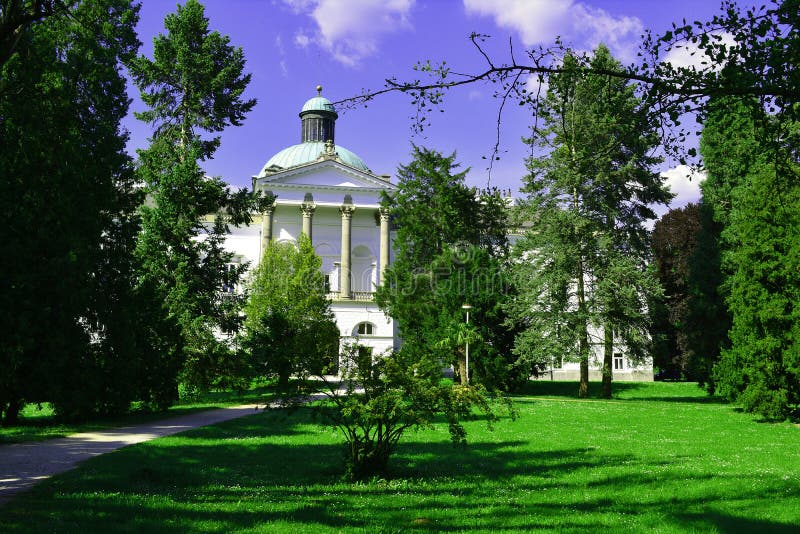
[[347, 210], [384, 213], [269, 209], [308, 208]]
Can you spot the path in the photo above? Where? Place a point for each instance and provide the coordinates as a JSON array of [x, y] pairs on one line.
[[24, 464]]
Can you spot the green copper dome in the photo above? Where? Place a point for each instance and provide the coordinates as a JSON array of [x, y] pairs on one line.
[[318, 103], [318, 125], [308, 152]]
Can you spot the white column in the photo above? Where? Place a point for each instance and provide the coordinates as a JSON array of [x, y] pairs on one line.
[[384, 243], [346, 210], [307, 207], [266, 228]]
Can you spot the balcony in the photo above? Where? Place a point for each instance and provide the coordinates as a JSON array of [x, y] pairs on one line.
[[359, 296]]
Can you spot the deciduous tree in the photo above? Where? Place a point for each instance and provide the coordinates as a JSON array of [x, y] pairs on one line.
[[289, 326]]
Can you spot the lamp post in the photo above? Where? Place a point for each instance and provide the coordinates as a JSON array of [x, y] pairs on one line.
[[467, 307]]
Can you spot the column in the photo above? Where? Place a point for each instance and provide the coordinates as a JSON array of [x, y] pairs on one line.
[[346, 210], [266, 227], [307, 207], [383, 261]]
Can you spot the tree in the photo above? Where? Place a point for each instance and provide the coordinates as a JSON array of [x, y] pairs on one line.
[[761, 42], [16, 18], [68, 208], [194, 85], [674, 245], [754, 198], [382, 396], [581, 268], [289, 326], [450, 250]]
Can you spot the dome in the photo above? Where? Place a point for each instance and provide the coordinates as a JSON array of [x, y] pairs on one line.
[[308, 152], [318, 103]]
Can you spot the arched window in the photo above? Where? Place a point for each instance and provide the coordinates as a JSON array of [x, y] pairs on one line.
[[364, 329]]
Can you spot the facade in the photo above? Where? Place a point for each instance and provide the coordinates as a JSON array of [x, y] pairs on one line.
[[327, 192]]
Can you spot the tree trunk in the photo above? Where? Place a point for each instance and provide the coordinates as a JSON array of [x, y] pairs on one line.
[[12, 412], [462, 367], [608, 359], [583, 342]]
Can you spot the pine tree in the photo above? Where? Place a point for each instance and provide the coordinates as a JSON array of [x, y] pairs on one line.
[[581, 270], [193, 86], [450, 249]]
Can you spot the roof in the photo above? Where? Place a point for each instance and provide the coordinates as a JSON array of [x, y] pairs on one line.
[[318, 103], [308, 152]]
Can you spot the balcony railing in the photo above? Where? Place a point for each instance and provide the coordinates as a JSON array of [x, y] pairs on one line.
[[361, 296]]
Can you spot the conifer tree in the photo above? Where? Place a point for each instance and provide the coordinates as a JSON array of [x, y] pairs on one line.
[[68, 209], [450, 250], [194, 89], [580, 271], [756, 200]]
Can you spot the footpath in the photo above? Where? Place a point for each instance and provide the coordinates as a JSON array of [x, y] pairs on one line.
[[24, 464]]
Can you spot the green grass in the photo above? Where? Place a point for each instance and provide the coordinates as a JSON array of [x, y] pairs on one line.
[[657, 458], [38, 422]]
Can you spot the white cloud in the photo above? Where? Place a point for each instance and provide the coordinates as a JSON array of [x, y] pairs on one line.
[[689, 55], [536, 21], [685, 182], [282, 54], [620, 34], [302, 40], [540, 21], [351, 29]]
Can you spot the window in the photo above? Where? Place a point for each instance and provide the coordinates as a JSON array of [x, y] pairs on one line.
[[230, 273], [619, 362], [365, 329]]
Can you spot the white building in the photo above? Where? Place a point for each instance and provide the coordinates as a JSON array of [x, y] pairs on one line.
[[327, 192]]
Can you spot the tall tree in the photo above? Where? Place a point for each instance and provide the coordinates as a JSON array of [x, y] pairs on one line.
[[193, 86], [581, 269], [755, 197], [61, 203], [289, 329], [450, 249]]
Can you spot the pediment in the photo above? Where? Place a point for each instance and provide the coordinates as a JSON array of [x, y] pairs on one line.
[[324, 174]]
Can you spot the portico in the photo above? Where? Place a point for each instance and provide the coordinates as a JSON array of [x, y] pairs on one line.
[[328, 193]]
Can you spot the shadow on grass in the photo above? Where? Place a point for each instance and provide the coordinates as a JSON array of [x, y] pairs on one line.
[[627, 391], [229, 478]]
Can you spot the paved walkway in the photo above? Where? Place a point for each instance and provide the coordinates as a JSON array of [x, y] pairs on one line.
[[24, 464]]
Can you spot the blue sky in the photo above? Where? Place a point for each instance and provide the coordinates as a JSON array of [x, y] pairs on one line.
[[349, 45]]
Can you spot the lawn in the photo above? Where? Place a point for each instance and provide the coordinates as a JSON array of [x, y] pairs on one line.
[[38, 421], [657, 458]]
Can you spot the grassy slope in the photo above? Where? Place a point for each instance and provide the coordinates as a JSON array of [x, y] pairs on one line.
[[660, 458]]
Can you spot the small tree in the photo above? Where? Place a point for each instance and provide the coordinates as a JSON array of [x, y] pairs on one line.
[[381, 397], [289, 329]]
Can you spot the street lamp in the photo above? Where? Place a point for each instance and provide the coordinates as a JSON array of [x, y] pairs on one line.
[[467, 307]]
